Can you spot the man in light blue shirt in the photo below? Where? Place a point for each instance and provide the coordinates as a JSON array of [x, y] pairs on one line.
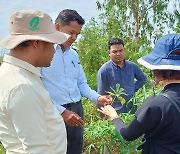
[[66, 82], [65, 79]]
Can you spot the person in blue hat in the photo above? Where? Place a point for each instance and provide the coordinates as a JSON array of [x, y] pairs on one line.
[[158, 119]]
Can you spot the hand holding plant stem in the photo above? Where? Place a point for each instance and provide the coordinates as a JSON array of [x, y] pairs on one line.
[[105, 100], [116, 93], [109, 110]]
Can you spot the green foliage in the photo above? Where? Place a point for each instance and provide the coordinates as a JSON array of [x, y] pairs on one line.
[[2, 150], [177, 14], [131, 21], [138, 23], [143, 21], [101, 135], [116, 93], [177, 29], [92, 50], [1, 58]]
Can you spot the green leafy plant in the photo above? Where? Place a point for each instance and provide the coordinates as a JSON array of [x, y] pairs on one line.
[[2, 150], [101, 137], [116, 93]]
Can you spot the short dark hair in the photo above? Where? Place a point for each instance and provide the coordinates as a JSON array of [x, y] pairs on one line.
[[114, 41], [25, 44], [67, 15], [168, 74]]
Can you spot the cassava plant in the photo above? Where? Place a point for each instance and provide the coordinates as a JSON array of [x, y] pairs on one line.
[[117, 93]]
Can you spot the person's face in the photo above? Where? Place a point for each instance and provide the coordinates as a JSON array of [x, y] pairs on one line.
[[46, 53], [117, 53], [73, 29]]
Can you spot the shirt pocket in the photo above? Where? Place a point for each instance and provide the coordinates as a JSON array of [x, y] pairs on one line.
[[74, 69]]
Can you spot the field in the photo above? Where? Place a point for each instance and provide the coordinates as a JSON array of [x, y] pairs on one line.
[[100, 136]]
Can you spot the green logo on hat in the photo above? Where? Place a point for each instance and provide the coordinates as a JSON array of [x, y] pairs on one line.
[[34, 24]]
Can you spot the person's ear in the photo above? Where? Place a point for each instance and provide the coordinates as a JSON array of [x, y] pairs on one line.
[[124, 49], [35, 44], [109, 52], [57, 26]]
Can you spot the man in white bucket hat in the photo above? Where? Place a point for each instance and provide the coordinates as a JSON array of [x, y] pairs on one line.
[[29, 122], [158, 119]]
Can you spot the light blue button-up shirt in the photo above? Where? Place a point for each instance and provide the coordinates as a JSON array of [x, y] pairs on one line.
[[65, 79]]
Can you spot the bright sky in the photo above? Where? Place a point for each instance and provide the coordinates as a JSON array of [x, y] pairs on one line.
[[86, 8]]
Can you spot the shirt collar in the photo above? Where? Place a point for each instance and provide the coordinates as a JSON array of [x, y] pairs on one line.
[[116, 64], [58, 48], [172, 85], [20, 63]]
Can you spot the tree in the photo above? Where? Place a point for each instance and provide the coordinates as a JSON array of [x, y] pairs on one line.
[[143, 21], [92, 50], [138, 22], [177, 29]]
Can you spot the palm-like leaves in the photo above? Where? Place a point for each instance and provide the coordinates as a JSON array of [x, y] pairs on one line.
[[116, 93]]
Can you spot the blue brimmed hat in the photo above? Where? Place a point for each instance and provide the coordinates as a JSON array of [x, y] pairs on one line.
[[162, 57]]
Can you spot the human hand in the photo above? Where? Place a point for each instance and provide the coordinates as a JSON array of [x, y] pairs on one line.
[[105, 100], [72, 119], [109, 111]]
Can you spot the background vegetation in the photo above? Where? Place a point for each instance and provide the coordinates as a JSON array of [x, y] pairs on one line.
[[139, 23]]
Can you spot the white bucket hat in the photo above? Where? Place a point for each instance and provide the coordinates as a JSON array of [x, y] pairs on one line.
[[32, 25]]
